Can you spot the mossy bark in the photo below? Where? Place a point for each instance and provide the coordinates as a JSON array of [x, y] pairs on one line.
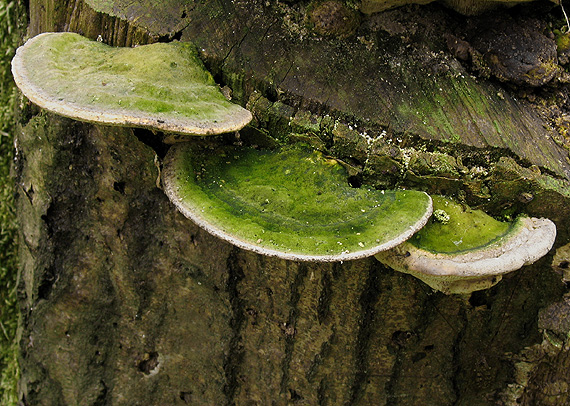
[[126, 302]]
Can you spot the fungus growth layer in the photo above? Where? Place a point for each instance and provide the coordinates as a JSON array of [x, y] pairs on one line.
[[470, 250], [292, 203], [162, 86]]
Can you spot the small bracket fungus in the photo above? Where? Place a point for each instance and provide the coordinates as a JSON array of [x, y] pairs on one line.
[[159, 86], [472, 250], [291, 203]]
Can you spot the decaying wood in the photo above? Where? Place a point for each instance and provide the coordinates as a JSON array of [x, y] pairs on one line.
[[125, 302]]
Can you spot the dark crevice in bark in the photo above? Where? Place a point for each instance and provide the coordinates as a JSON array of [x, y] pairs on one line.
[[150, 139], [390, 387], [234, 357], [172, 36], [368, 300], [59, 227], [321, 393], [456, 359], [430, 305], [289, 328], [402, 341], [149, 364], [319, 358], [285, 75], [506, 309], [49, 277], [102, 398], [237, 44], [50, 273], [323, 306]]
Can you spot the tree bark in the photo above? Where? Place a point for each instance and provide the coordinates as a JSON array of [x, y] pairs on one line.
[[126, 302]]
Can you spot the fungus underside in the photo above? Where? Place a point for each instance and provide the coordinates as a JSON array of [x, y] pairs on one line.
[[293, 202]]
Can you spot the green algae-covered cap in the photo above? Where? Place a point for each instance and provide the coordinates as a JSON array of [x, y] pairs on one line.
[[468, 250], [160, 86], [293, 203]]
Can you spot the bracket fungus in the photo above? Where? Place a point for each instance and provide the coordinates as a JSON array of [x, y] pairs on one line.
[[161, 86], [471, 251], [292, 203]]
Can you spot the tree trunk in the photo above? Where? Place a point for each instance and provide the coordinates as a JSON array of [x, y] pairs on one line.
[[126, 302]]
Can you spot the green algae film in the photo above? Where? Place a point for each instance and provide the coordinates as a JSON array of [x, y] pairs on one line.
[[292, 202], [159, 85], [465, 230]]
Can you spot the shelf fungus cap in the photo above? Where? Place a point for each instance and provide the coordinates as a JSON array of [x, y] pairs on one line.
[[470, 250], [158, 86], [292, 203]]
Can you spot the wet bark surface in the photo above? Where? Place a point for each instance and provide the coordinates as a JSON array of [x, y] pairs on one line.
[[126, 302]]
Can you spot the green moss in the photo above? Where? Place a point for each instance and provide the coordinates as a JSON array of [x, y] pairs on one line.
[[292, 201], [562, 41], [434, 163], [544, 70], [305, 122], [10, 28], [432, 110], [466, 229]]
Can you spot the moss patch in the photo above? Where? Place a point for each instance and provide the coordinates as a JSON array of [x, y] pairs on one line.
[[10, 18], [464, 230]]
